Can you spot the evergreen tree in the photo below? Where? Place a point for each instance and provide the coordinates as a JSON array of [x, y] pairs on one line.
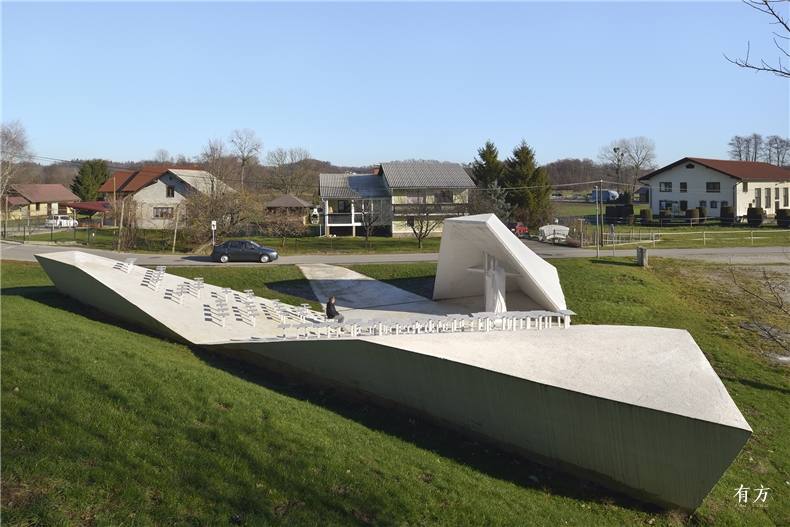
[[531, 188], [488, 170], [92, 175]]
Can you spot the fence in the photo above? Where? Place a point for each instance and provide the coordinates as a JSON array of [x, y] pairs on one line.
[[703, 237]]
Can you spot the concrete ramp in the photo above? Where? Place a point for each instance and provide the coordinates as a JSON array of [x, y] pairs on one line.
[[637, 409]]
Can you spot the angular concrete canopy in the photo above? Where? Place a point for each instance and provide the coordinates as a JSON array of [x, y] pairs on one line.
[[469, 240], [641, 411]]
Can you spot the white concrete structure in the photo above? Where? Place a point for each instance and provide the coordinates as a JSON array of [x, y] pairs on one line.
[[468, 244], [637, 409]]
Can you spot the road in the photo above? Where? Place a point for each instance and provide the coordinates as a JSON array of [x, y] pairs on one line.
[[27, 252]]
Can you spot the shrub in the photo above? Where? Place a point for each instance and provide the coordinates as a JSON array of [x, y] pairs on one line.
[[611, 214], [646, 215], [755, 216], [692, 215], [783, 218], [665, 217], [703, 213], [727, 216]]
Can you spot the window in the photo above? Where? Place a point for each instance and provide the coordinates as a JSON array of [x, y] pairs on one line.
[[410, 221], [343, 206], [170, 192], [712, 186], [714, 204], [662, 205], [415, 196], [684, 187], [163, 212], [442, 196], [758, 201], [725, 203], [689, 166], [38, 206], [786, 197], [665, 186], [684, 205], [745, 186], [767, 198], [703, 203]]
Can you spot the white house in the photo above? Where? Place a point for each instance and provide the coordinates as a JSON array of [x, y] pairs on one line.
[[713, 183], [395, 188]]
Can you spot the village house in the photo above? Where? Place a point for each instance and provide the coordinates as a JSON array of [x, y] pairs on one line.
[[23, 201], [158, 190], [394, 192], [713, 183]]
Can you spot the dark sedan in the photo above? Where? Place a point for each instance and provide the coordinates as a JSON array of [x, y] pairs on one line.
[[242, 251]]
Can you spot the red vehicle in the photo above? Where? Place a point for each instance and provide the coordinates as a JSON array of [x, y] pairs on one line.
[[518, 228]]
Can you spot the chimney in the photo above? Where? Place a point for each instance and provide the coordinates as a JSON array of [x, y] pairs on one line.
[[376, 169]]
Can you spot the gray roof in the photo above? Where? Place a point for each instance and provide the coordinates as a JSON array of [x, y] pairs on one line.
[[426, 175], [201, 180], [351, 186], [288, 201]]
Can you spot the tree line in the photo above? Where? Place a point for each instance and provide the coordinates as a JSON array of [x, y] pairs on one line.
[[772, 149]]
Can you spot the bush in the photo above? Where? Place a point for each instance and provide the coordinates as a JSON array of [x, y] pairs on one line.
[[611, 214], [703, 213], [727, 216], [783, 218], [755, 216], [646, 216], [692, 215], [665, 217]]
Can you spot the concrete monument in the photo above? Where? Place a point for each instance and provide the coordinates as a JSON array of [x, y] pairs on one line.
[[638, 409]]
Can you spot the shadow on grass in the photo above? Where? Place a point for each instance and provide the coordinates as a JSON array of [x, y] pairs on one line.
[[465, 450], [757, 385], [614, 262]]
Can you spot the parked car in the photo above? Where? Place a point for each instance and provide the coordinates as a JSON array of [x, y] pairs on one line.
[[518, 228], [60, 220], [242, 251]]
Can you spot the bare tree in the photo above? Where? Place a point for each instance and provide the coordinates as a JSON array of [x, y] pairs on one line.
[[755, 142], [776, 150], [282, 222], [770, 294], [423, 218], [290, 171], [229, 208], [770, 8], [163, 157], [247, 147], [14, 152], [217, 161], [640, 154], [738, 148], [375, 214], [626, 160], [612, 157]]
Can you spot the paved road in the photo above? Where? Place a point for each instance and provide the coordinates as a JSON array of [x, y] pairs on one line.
[[27, 252]]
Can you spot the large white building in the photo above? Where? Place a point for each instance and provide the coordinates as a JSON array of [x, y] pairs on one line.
[[713, 183]]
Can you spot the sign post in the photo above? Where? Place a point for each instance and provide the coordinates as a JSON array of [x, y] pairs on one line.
[[213, 228]]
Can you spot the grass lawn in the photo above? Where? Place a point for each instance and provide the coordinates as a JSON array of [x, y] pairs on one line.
[[105, 424]]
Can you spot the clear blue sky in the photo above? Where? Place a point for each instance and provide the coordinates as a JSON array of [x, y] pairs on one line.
[[362, 83]]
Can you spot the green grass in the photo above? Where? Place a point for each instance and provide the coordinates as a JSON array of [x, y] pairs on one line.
[[113, 426]]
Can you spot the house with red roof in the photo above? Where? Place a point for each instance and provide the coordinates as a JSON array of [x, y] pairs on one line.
[[157, 191], [36, 200], [713, 183]]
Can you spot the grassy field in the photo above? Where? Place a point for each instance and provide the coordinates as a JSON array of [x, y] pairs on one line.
[[105, 424]]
